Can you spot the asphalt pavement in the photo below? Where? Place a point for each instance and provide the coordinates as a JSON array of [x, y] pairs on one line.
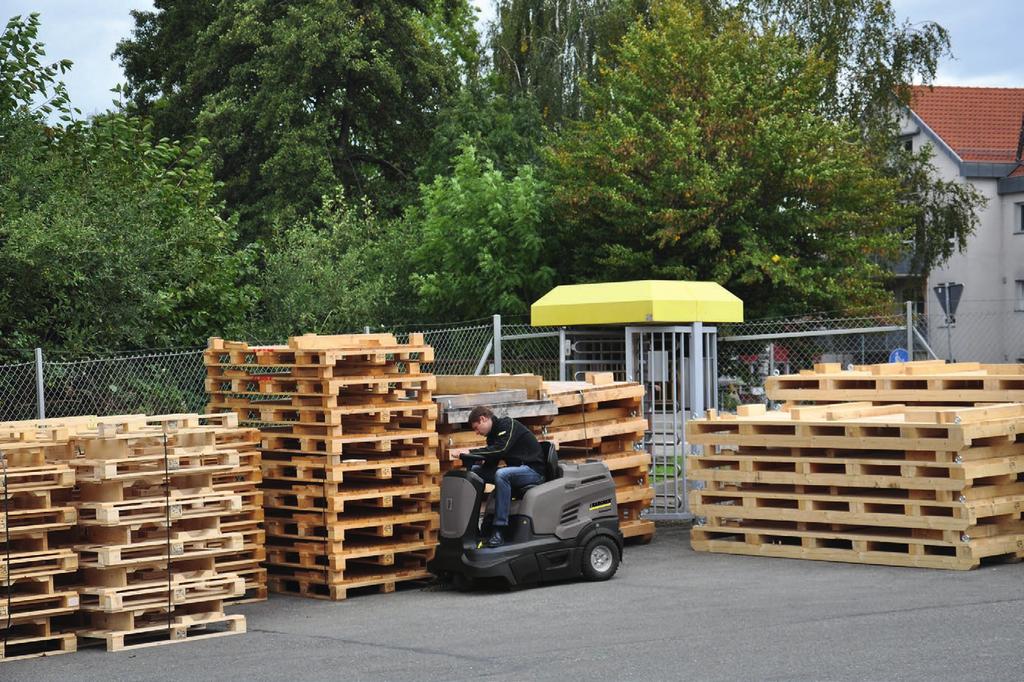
[[669, 614]]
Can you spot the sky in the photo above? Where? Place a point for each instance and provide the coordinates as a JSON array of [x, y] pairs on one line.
[[984, 33]]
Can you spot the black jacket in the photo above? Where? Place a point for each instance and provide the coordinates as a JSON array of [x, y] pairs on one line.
[[511, 441]]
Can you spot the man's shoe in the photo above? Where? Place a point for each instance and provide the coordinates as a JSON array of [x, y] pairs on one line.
[[496, 540]]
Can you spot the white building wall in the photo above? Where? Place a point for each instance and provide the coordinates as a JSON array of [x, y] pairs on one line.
[[987, 327]]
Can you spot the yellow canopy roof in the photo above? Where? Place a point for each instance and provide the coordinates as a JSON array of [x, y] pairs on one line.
[[648, 301]]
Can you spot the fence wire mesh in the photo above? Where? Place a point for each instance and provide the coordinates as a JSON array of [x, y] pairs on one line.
[[457, 349], [529, 350], [174, 380], [750, 352], [17, 386], [154, 383], [986, 336]]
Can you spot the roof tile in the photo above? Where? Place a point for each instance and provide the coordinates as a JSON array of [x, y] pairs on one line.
[[979, 124]]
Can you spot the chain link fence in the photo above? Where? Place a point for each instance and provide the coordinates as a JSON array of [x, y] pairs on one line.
[[173, 380], [164, 382], [17, 385], [752, 351], [983, 336], [526, 349]]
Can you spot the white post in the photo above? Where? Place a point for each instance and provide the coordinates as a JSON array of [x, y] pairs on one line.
[[949, 324], [697, 376], [40, 392], [562, 353], [497, 344], [910, 330]]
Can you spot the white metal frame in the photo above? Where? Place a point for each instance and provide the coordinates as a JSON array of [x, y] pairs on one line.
[[689, 364]]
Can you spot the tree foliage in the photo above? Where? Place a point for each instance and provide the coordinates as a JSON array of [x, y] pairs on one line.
[[545, 49], [706, 159], [482, 249], [870, 60], [107, 238], [300, 97], [338, 269]]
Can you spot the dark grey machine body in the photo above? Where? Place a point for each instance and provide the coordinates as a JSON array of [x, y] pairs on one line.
[[554, 528]]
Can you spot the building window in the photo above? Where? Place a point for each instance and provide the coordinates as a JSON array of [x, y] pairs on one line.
[[1018, 224], [1020, 296]]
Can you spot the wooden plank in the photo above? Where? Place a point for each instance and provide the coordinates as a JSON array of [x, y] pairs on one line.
[[468, 383], [470, 400], [598, 378]]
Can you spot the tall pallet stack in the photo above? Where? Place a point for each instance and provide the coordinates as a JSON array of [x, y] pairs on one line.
[[350, 469], [595, 419], [927, 382], [935, 487], [244, 481], [35, 591], [150, 532]]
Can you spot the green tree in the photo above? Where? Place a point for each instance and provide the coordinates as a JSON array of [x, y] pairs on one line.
[[482, 250], [870, 59], [107, 239], [545, 49], [508, 129], [708, 158], [338, 269], [300, 97]]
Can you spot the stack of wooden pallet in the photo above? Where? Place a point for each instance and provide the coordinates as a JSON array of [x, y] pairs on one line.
[[350, 469], [603, 419], [243, 481], [35, 593], [931, 382], [593, 419], [150, 531], [888, 484]]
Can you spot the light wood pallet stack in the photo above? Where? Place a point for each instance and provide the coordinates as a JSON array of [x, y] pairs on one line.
[[350, 469], [244, 481], [931, 382], [36, 595], [150, 531], [933, 487], [595, 419]]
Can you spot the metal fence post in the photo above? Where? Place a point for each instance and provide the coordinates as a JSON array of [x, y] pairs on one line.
[[562, 353], [497, 345], [40, 391], [910, 330]]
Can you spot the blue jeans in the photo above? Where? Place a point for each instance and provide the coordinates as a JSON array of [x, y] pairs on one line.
[[504, 479]]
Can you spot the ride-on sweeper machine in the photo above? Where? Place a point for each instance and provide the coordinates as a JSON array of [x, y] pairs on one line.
[[563, 528]]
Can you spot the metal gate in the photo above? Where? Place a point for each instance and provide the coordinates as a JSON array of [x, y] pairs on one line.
[[678, 366]]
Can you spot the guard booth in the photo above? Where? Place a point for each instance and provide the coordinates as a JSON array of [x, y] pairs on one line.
[[660, 333]]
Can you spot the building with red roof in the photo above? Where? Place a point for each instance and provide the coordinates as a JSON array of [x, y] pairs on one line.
[[977, 135]]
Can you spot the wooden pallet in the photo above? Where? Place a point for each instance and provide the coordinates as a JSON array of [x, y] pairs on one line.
[[21, 605], [280, 561], [36, 564], [22, 648], [862, 426], [180, 546], [872, 546], [184, 628], [932, 382], [318, 586], [175, 506], [314, 526], [190, 587]]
